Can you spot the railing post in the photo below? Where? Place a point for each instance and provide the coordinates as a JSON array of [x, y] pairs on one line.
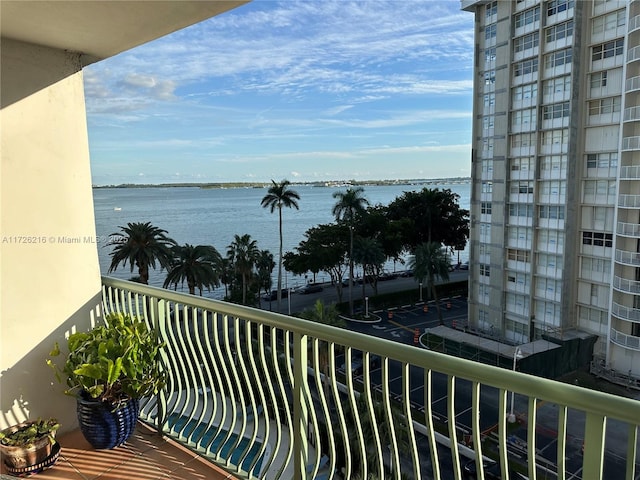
[[300, 414], [158, 313], [593, 457]]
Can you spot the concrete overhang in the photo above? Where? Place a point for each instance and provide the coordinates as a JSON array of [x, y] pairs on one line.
[[470, 5], [101, 29]]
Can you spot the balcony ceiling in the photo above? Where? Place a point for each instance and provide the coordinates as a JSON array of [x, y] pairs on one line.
[[101, 29]]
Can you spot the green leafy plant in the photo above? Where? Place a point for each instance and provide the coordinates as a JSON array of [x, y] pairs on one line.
[[114, 362], [28, 433]]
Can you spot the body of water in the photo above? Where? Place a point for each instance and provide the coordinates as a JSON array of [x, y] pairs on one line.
[[213, 216]]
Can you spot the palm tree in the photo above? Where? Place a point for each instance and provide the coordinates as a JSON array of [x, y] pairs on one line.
[[141, 244], [243, 253], [430, 261], [199, 266], [350, 204], [264, 265], [368, 253], [279, 195]]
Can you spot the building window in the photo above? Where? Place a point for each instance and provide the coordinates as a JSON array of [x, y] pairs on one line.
[[597, 239], [525, 92], [602, 160], [490, 77], [487, 187], [553, 212], [524, 117], [492, 8], [607, 22], [591, 265], [485, 270], [607, 50], [489, 100], [488, 122], [558, 32], [557, 85], [526, 66], [522, 234], [555, 110], [599, 79], [527, 17], [523, 140], [553, 162], [518, 255], [552, 187], [521, 210], [490, 31], [490, 54], [600, 187], [558, 136], [548, 260], [604, 105], [523, 164], [557, 6], [485, 208], [524, 186], [557, 59], [526, 42]]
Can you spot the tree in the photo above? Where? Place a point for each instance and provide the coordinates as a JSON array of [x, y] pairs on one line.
[[324, 249], [434, 216], [243, 253], [199, 266], [279, 195], [265, 265], [141, 244], [350, 204], [368, 253], [430, 261]]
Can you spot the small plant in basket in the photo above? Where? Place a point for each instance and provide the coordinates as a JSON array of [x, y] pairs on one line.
[[28, 444]]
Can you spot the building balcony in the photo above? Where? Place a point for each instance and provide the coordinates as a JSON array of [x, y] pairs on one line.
[[631, 172], [627, 341], [630, 144], [628, 229], [297, 399], [629, 201], [632, 84], [625, 285], [628, 258], [633, 54], [625, 313], [631, 114], [634, 23]]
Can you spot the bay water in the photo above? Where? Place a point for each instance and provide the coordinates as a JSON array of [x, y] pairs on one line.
[[212, 216]]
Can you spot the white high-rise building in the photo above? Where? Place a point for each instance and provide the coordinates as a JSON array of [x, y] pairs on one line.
[[555, 203]]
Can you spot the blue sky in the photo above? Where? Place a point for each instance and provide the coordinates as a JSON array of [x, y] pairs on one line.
[[309, 90]]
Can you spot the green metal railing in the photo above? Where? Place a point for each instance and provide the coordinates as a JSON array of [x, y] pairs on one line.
[[262, 395]]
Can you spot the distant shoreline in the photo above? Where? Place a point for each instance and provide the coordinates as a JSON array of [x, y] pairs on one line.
[[330, 183]]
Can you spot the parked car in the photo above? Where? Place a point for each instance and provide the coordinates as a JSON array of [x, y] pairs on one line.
[[407, 273], [310, 288], [387, 276], [274, 294]]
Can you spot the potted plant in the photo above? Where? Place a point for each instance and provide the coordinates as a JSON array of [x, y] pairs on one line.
[[29, 446], [109, 369]]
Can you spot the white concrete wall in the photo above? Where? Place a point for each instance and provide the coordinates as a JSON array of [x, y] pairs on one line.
[[49, 271]]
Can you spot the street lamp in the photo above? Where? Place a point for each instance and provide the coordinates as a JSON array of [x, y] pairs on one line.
[[420, 291], [366, 307], [289, 299], [511, 418]]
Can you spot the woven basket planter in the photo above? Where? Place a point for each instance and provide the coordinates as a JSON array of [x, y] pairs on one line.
[[103, 427], [21, 457]]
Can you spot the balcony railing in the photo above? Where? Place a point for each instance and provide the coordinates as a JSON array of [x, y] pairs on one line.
[[625, 313], [629, 229], [628, 258], [628, 341], [262, 395]]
